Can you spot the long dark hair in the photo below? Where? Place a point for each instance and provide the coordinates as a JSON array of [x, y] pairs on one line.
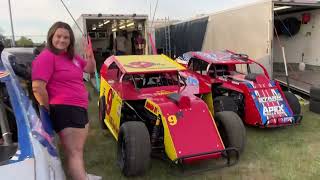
[[52, 30]]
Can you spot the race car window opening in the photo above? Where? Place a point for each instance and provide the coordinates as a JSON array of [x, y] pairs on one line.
[[218, 70], [8, 126], [198, 66], [249, 69], [152, 80], [114, 72]]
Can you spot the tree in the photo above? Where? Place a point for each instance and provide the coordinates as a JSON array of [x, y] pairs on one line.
[[2, 37], [24, 42], [6, 42]]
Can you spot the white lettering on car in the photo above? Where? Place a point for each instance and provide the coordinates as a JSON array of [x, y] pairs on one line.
[[272, 110]]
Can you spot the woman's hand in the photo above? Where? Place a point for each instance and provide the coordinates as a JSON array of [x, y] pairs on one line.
[[91, 62], [88, 49]]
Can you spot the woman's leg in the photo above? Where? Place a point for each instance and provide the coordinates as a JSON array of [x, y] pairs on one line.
[[73, 140]]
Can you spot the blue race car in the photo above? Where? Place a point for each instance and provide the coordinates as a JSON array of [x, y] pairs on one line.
[[27, 149]]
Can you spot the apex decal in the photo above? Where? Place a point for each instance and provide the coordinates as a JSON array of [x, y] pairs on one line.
[[269, 111]]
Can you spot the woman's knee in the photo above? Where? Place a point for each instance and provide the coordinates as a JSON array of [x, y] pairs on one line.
[[74, 149]]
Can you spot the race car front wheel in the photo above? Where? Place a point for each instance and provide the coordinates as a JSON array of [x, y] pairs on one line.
[[134, 148], [293, 102], [224, 103], [231, 129]]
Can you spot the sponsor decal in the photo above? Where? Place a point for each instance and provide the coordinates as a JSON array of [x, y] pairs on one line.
[[216, 56], [4, 74], [192, 81], [273, 110], [140, 64], [162, 92], [270, 99], [151, 107], [271, 105]]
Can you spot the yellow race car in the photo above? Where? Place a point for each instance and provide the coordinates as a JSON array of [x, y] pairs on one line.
[[150, 110]]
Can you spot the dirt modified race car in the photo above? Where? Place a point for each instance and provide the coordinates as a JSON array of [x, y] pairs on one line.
[[151, 112], [257, 99]]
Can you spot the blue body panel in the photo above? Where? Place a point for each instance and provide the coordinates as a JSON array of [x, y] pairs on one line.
[[27, 120]]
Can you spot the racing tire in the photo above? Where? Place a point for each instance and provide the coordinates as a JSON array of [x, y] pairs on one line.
[[134, 148], [293, 102], [224, 103], [314, 106], [231, 129], [102, 112], [315, 92]]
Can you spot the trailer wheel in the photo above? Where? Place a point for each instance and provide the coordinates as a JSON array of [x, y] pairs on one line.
[[231, 129], [102, 112], [314, 106], [315, 92], [224, 103], [134, 148], [293, 102]]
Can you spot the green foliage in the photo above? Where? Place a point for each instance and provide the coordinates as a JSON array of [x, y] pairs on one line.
[[24, 42]]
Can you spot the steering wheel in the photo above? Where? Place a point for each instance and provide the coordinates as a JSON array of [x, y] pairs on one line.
[[243, 57]]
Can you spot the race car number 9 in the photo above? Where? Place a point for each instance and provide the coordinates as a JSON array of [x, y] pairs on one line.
[[172, 119]]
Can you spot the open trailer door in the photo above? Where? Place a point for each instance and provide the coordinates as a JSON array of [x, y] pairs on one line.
[[246, 29], [297, 23]]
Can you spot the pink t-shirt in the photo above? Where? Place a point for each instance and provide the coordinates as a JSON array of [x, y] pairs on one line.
[[64, 78]]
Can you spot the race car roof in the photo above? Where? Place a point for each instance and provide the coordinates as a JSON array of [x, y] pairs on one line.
[[217, 57], [147, 63]]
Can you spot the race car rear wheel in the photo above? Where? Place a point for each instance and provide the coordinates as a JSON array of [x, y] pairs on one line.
[[224, 103], [134, 148], [293, 102], [102, 112], [231, 129]]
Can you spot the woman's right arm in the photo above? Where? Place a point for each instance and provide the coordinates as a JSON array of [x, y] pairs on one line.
[[42, 71], [40, 92]]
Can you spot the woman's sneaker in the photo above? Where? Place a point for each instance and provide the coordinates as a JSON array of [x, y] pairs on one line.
[[93, 177]]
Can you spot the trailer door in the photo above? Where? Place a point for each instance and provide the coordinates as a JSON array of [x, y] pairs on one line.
[[247, 29]]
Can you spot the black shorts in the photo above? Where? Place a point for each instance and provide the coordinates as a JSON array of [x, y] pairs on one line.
[[64, 116]]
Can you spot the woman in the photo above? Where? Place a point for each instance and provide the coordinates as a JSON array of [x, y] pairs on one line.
[[57, 83]]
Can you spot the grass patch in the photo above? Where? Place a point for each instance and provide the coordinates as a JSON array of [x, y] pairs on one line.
[[290, 153]]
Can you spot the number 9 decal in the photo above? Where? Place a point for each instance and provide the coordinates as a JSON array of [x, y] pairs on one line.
[[172, 120], [109, 101]]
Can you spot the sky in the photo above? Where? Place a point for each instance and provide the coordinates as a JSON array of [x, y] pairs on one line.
[[33, 18]]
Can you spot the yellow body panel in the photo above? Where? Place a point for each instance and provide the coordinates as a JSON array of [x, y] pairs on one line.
[[207, 98], [113, 107], [168, 143], [148, 63]]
